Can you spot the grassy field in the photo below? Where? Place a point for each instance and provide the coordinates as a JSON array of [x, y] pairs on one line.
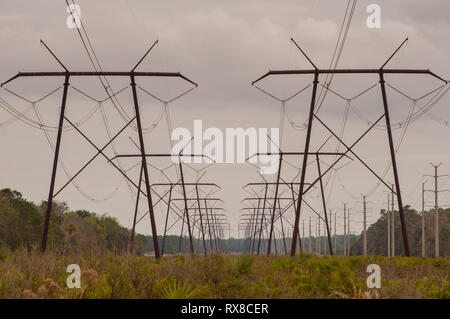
[[35, 275]]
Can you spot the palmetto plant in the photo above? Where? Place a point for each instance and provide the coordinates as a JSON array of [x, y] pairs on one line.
[[177, 290]]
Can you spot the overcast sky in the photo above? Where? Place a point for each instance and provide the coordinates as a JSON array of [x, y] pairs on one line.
[[223, 46]]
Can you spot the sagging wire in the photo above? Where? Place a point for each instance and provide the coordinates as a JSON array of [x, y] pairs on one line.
[[66, 171], [284, 112]]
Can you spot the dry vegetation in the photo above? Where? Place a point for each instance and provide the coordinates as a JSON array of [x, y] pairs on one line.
[[35, 275]]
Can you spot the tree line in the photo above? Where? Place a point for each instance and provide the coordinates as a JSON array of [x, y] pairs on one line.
[[21, 224]]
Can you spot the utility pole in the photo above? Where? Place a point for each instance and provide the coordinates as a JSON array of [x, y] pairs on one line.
[[303, 240], [423, 219], [436, 208], [331, 231], [325, 239], [392, 223], [436, 212], [388, 227], [331, 223], [335, 224], [345, 230], [315, 239], [318, 236], [365, 231], [310, 247], [348, 232], [309, 239]]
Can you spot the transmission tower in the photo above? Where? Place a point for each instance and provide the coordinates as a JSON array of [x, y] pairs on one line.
[[312, 115], [67, 75]]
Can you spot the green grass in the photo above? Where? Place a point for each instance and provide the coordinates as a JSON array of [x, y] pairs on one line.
[[35, 275]]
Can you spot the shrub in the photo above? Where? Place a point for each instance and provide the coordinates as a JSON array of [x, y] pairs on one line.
[[173, 289], [37, 275], [2, 252], [244, 265]]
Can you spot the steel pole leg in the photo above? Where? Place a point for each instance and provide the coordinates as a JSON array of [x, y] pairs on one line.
[[256, 227], [305, 162], [167, 219], [324, 205], [144, 163], [201, 220], [186, 210], [55, 165], [209, 227], [262, 220], [136, 210], [274, 205], [394, 166]]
